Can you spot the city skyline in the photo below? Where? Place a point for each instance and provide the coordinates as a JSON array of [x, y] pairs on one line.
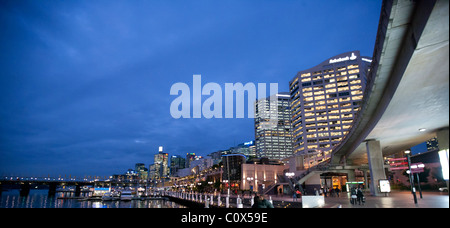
[[85, 85]]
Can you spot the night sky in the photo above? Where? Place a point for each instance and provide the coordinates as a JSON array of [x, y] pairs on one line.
[[84, 85]]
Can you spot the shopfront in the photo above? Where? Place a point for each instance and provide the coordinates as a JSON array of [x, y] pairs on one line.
[[333, 180]]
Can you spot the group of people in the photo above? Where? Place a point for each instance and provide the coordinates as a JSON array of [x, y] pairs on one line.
[[357, 196], [327, 191], [261, 202]]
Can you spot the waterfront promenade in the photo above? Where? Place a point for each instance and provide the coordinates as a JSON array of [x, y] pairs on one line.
[[395, 199]]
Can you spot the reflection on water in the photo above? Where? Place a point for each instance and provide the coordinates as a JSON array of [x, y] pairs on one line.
[[40, 199]]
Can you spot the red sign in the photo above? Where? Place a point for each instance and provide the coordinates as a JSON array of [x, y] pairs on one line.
[[415, 167], [396, 159], [398, 168], [398, 163]]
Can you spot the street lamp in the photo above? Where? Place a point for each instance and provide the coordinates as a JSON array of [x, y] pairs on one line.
[[411, 177], [417, 168], [289, 174]]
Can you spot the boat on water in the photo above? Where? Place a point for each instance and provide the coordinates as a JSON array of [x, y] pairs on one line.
[[126, 195], [110, 196], [65, 189]]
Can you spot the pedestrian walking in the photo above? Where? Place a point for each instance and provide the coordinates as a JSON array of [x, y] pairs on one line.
[[337, 191], [316, 192], [360, 196], [297, 194], [353, 196]]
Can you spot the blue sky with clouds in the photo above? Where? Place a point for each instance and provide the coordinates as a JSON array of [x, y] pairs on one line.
[[84, 85]]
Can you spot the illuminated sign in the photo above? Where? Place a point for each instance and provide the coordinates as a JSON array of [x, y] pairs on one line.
[[249, 143], [417, 167], [342, 59], [398, 164], [443, 157], [100, 191], [290, 174], [160, 149], [385, 186]]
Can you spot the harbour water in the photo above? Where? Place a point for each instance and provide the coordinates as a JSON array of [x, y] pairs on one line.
[[40, 199]]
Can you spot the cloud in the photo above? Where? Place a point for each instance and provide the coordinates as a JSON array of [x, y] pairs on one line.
[[84, 85]]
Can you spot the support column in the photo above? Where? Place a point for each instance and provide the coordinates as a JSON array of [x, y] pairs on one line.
[[78, 190], [52, 189], [376, 165], [25, 189], [312, 183], [366, 180], [442, 138], [351, 175]]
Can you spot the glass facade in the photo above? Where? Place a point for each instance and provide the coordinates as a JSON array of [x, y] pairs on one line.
[[273, 141], [232, 163], [161, 166]]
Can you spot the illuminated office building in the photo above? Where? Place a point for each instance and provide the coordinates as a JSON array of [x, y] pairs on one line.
[[177, 162], [273, 141], [324, 102], [232, 170], [141, 171], [190, 157], [245, 148], [160, 169]]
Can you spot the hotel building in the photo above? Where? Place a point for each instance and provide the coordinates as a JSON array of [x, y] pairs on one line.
[[324, 102], [273, 141]]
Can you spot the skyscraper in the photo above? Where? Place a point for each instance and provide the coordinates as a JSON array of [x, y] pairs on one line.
[[273, 141], [177, 162], [141, 171], [189, 157], [161, 165], [324, 102]]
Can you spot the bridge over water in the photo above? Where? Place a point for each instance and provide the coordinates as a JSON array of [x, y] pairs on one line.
[[26, 183]]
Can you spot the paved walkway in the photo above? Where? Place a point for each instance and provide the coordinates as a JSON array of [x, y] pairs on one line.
[[397, 199], [403, 199]]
